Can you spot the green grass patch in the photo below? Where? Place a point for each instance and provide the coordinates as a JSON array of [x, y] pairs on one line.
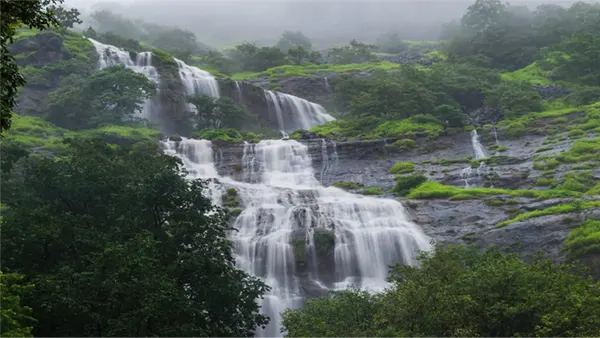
[[306, 70], [372, 191], [532, 73], [404, 183], [430, 190], [228, 135], [402, 168], [564, 208], [583, 240]]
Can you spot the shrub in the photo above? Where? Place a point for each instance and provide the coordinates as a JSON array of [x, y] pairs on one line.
[[347, 185], [372, 191], [405, 183]]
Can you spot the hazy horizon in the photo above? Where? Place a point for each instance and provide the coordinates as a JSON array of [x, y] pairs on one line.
[[224, 23]]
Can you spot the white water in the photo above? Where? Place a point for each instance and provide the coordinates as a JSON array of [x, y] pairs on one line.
[[282, 202], [295, 113], [468, 173], [197, 81], [110, 55]]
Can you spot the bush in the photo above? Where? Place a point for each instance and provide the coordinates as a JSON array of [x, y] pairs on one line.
[[372, 191], [405, 183], [347, 185], [404, 144]]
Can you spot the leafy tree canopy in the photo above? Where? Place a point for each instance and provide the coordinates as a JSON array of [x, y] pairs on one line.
[[37, 14], [119, 243], [458, 291], [289, 40], [111, 96]]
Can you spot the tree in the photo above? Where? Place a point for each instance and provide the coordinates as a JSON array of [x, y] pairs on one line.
[[348, 313], [110, 96], [514, 98], [216, 113], [298, 55], [119, 243], [460, 291], [15, 318], [67, 18], [355, 52], [35, 14], [483, 14], [391, 43], [582, 64], [289, 40]]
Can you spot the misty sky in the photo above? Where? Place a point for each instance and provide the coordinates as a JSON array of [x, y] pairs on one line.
[[223, 23]]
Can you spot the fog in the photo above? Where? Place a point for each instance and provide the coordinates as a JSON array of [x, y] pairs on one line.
[[224, 23]]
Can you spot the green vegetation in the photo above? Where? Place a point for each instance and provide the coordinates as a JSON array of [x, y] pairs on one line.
[[16, 318], [347, 185], [404, 183], [402, 168], [437, 190], [227, 135], [584, 240], [564, 208], [112, 221], [309, 69], [450, 295], [372, 191], [324, 242]]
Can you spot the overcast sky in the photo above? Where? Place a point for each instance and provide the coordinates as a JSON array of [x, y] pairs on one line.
[[227, 22]]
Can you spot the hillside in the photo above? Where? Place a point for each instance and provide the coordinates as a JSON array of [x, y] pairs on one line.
[[152, 188]]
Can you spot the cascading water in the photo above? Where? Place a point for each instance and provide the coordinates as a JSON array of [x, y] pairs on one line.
[[328, 161], [197, 81], [468, 173], [295, 113], [110, 55], [285, 208]]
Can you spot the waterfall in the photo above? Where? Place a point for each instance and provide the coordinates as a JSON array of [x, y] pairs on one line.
[[327, 86], [197, 81], [468, 172], [328, 161], [110, 55], [285, 208], [295, 113], [477, 147], [495, 135]]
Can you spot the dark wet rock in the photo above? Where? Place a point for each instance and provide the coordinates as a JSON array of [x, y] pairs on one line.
[[40, 50], [548, 92], [484, 115], [175, 138]]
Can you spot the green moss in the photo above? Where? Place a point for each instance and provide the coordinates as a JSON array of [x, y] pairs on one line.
[[583, 240], [501, 149], [372, 191], [406, 127], [575, 133], [565, 208], [324, 242], [545, 182], [560, 121], [595, 190], [306, 70], [455, 160], [235, 212], [581, 151], [300, 252], [515, 129], [546, 165], [436, 190], [231, 192], [542, 149], [347, 185], [402, 168]]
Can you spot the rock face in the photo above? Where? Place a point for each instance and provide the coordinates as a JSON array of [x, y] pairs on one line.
[[40, 50], [465, 221]]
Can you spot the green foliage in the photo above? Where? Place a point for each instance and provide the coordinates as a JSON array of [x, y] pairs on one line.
[[581, 65], [391, 43], [404, 144], [437, 190], [110, 96], [227, 135], [35, 14], [118, 239], [251, 58], [309, 69], [372, 191], [290, 40], [355, 52], [577, 181], [404, 183], [340, 314], [459, 291], [111, 38], [324, 242], [514, 98], [216, 113], [402, 168], [15, 317], [347, 185], [583, 240], [564, 208]]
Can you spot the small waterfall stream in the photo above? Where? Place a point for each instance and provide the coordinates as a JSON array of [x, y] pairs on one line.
[[468, 173], [285, 208]]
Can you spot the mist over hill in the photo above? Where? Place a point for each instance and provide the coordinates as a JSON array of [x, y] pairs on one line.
[[226, 23]]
